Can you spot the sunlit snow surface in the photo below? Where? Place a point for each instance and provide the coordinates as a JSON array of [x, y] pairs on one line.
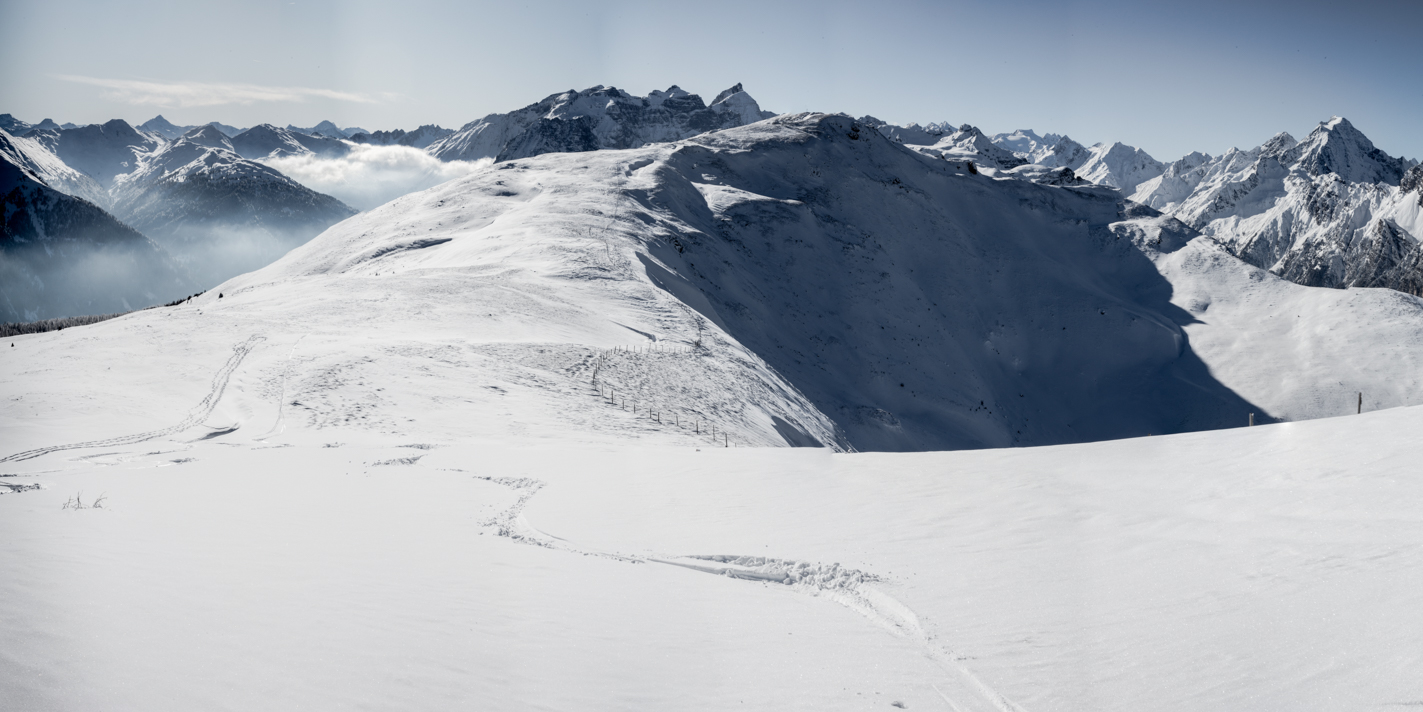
[[387, 473]]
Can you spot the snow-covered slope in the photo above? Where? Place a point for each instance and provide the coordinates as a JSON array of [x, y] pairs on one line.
[[104, 151], [419, 138], [266, 140], [219, 214], [594, 119], [163, 127], [895, 302], [64, 256], [1329, 211], [47, 168]]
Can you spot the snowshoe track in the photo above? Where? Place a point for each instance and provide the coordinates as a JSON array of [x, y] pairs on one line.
[[196, 416], [852, 588]]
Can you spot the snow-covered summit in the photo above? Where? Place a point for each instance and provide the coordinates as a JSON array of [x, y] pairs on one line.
[[104, 151], [1328, 211], [1027, 143], [163, 127], [596, 118], [1120, 166], [1335, 146], [266, 140], [968, 143]]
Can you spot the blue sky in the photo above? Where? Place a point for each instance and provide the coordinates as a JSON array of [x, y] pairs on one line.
[[1168, 77]]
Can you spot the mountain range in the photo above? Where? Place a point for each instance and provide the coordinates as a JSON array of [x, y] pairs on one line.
[[64, 255], [1331, 211]]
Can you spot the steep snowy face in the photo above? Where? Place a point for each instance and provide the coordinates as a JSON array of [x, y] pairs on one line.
[[64, 256], [419, 138], [899, 303], [1336, 147], [216, 212], [969, 144], [163, 127], [46, 168], [1329, 211], [1065, 153], [593, 119], [104, 151], [266, 140], [1120, 166]]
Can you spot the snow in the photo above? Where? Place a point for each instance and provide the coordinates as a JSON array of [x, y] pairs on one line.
[[284, 565], [1328, 211], [50, 170], [596, 118], [458, 451]]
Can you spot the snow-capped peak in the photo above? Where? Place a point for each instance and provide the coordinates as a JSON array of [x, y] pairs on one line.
[[596, 118], [163, 127], [1120, 166], [1335, 146]]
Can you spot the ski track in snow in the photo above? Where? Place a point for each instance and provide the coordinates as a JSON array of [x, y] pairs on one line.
[[851, 588], [196, 416]]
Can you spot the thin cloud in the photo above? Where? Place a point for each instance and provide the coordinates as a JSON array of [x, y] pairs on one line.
[[185, 94]]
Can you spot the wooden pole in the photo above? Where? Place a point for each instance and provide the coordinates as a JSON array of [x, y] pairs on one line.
[[1252, 419], [1361, 403]]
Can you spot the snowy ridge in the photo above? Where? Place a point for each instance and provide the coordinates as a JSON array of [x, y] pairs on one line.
[[596, 118], [772, 242], [104, 151], [266, 140], [419, 138]]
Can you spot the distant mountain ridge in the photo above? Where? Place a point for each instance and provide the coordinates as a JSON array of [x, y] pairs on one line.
[[597, 118], [1332, 210]]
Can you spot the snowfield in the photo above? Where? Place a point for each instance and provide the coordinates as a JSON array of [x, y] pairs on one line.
[[519, 441]]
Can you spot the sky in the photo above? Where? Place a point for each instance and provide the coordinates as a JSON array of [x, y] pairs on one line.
[[1167, 77]]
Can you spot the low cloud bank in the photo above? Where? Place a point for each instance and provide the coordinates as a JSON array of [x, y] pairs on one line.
[[370, 176]]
